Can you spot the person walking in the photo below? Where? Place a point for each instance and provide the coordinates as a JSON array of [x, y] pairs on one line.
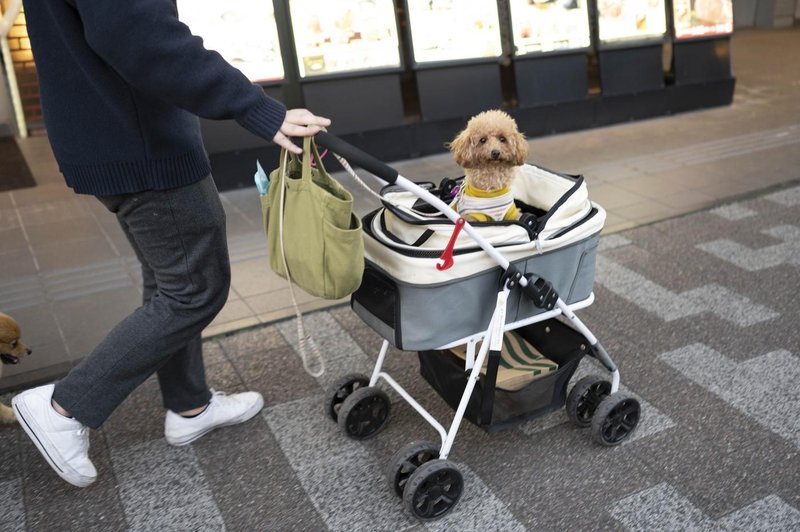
[[122, 85]]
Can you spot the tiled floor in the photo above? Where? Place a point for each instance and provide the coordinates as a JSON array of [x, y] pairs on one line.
[[69, 275]]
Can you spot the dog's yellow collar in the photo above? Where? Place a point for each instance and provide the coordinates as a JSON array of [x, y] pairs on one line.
[[478, 193]]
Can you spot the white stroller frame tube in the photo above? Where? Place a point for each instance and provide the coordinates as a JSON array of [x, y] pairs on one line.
[[448, 436], [418, 407], [378, 374], [602, 354], [495, 326]]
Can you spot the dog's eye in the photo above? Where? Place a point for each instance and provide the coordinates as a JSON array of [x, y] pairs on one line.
[[483, 140], [14, 343], [502, 139]]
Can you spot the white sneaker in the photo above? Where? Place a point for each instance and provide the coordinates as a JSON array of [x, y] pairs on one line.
[[222, 411], [63, 441]]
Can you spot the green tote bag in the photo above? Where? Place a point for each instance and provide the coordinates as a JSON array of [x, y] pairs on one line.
[[311, 229]]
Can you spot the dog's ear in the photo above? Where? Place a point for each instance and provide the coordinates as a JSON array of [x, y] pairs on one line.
[[519, 148], [462, 149]]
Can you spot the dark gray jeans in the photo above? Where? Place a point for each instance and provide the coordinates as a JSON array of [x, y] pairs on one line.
[[179, 237]]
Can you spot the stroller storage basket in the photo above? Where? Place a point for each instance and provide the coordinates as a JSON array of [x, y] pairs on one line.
[[494, 409], [406, 300]]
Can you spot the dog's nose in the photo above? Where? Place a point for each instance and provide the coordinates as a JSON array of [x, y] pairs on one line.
[[495, 154], [29, 351]]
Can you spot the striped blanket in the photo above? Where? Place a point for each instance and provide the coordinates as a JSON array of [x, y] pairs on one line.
[[520, 362]]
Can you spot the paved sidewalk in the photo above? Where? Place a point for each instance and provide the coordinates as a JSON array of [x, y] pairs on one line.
[[699, 312], [69, 274]]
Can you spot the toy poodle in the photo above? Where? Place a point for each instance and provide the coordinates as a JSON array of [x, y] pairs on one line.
[[489, 150], [12, 349]]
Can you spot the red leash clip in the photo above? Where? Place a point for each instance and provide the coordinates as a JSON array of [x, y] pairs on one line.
[[447, 255]]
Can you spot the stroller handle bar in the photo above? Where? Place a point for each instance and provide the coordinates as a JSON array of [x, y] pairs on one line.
[[357, 156]]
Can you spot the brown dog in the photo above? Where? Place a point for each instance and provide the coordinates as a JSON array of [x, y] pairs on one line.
[[12, 349], [489, 150]]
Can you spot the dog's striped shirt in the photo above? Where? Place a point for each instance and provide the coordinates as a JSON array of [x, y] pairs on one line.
[[482, 206]]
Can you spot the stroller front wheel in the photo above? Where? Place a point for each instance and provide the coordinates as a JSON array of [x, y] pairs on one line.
[[364, 413], [406, 461], [584, 398], [340, 390], [615, 419], [433, 490]]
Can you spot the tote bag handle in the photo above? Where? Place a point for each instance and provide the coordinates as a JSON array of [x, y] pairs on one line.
[[305, 342]]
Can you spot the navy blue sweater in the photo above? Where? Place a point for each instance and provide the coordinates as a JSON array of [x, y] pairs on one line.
[[122, 83]]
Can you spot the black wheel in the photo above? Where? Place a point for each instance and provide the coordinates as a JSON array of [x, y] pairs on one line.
[[364, 413], [584, 398], [340, 390], [407, 460], [433, 490], [615, 419], [446, 187]]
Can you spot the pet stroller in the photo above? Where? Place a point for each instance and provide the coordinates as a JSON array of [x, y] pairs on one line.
[[489, 310]]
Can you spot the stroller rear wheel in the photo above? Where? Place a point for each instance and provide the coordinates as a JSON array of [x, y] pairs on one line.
[[341, 389], [615, 419], [433, 490], [364, 413], [585, 397], [406, 461]]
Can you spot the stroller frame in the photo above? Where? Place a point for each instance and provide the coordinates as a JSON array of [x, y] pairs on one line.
[[475, 364], [426, 471]]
